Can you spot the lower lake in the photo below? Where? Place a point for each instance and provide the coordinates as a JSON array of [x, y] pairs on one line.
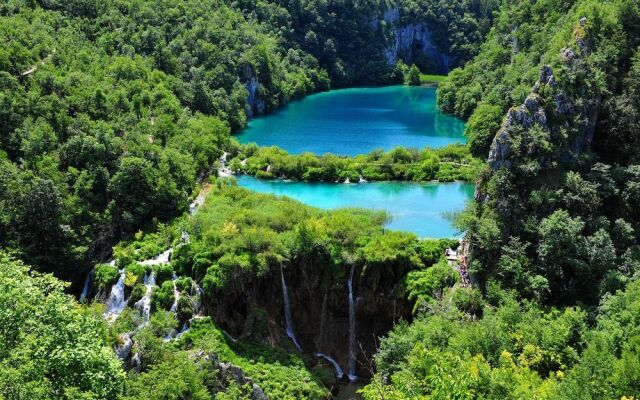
[[420, 208]]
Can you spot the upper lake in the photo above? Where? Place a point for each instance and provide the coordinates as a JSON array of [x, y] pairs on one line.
[[356, 121]]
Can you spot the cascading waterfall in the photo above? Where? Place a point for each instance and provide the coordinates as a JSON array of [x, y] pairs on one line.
[[123, 350], [144, 304], [351, 367], [183, 330], [116, 301], [162, 258], [198, 293], [288, 324], [229, 336], [176, 294], [336, 366], [85, 288]]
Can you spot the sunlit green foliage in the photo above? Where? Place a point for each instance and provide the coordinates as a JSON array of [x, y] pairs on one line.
[[50, 347], [444, 164]]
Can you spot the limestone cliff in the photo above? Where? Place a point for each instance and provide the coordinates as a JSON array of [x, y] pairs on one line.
[[319, 305], [564, 118], [411, 41], [255, 103]]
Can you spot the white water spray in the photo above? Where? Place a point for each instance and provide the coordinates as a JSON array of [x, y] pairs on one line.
[[176, 294], [351, 367], [85, 289], [144, 304], [288, 324], [116, 301], [198, 294], [123, 350], [162, 258], [336, 366]]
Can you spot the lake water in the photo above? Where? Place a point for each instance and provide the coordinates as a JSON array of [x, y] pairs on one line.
[[414, 207], [356, 121]]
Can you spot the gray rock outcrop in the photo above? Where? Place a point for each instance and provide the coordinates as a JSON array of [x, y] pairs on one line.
[[410, 41], [229, 373], [255, 104]]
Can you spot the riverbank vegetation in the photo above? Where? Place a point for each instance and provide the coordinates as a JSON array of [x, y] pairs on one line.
[[426, 79], [445, 164]]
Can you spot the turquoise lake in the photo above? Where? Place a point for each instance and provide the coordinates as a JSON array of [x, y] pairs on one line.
[[414, 207], [356, 121]]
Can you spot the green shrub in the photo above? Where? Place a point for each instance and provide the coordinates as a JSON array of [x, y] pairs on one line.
[[137, 293], [162, 297], [264, 175], [105, 276], [164, 272], [185, 307], [184, 284], [468, 300]]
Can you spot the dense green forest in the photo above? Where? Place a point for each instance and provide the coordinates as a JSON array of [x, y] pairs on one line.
[[114, 116], [102, 96]]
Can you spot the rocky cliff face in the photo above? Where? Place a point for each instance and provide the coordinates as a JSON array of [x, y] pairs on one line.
[[568, 120], [255, 104], [549, 133], [319, 304], [411, 41]]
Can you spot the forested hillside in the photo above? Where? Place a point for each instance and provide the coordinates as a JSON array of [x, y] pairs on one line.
[[116, 117], [552, 233], [555, 214], [112, 109]]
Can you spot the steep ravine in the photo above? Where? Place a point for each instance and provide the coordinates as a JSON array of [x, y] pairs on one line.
[[319, 306]]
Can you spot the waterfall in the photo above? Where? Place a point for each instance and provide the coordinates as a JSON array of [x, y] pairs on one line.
[[123, 350], [144, 304], [162, 258], [116, 301], [323, 321], [136, 362], [229, 336], [176, 294], [184, 236], [288, 325], [336, 366], [172, 334], [183, 330], [197, 291], [85, 289], [352, 330]]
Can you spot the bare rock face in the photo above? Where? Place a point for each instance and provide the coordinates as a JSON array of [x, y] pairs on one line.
[[319, 306], [412, 40], [255, 104], [546, 98], [529, 114]]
